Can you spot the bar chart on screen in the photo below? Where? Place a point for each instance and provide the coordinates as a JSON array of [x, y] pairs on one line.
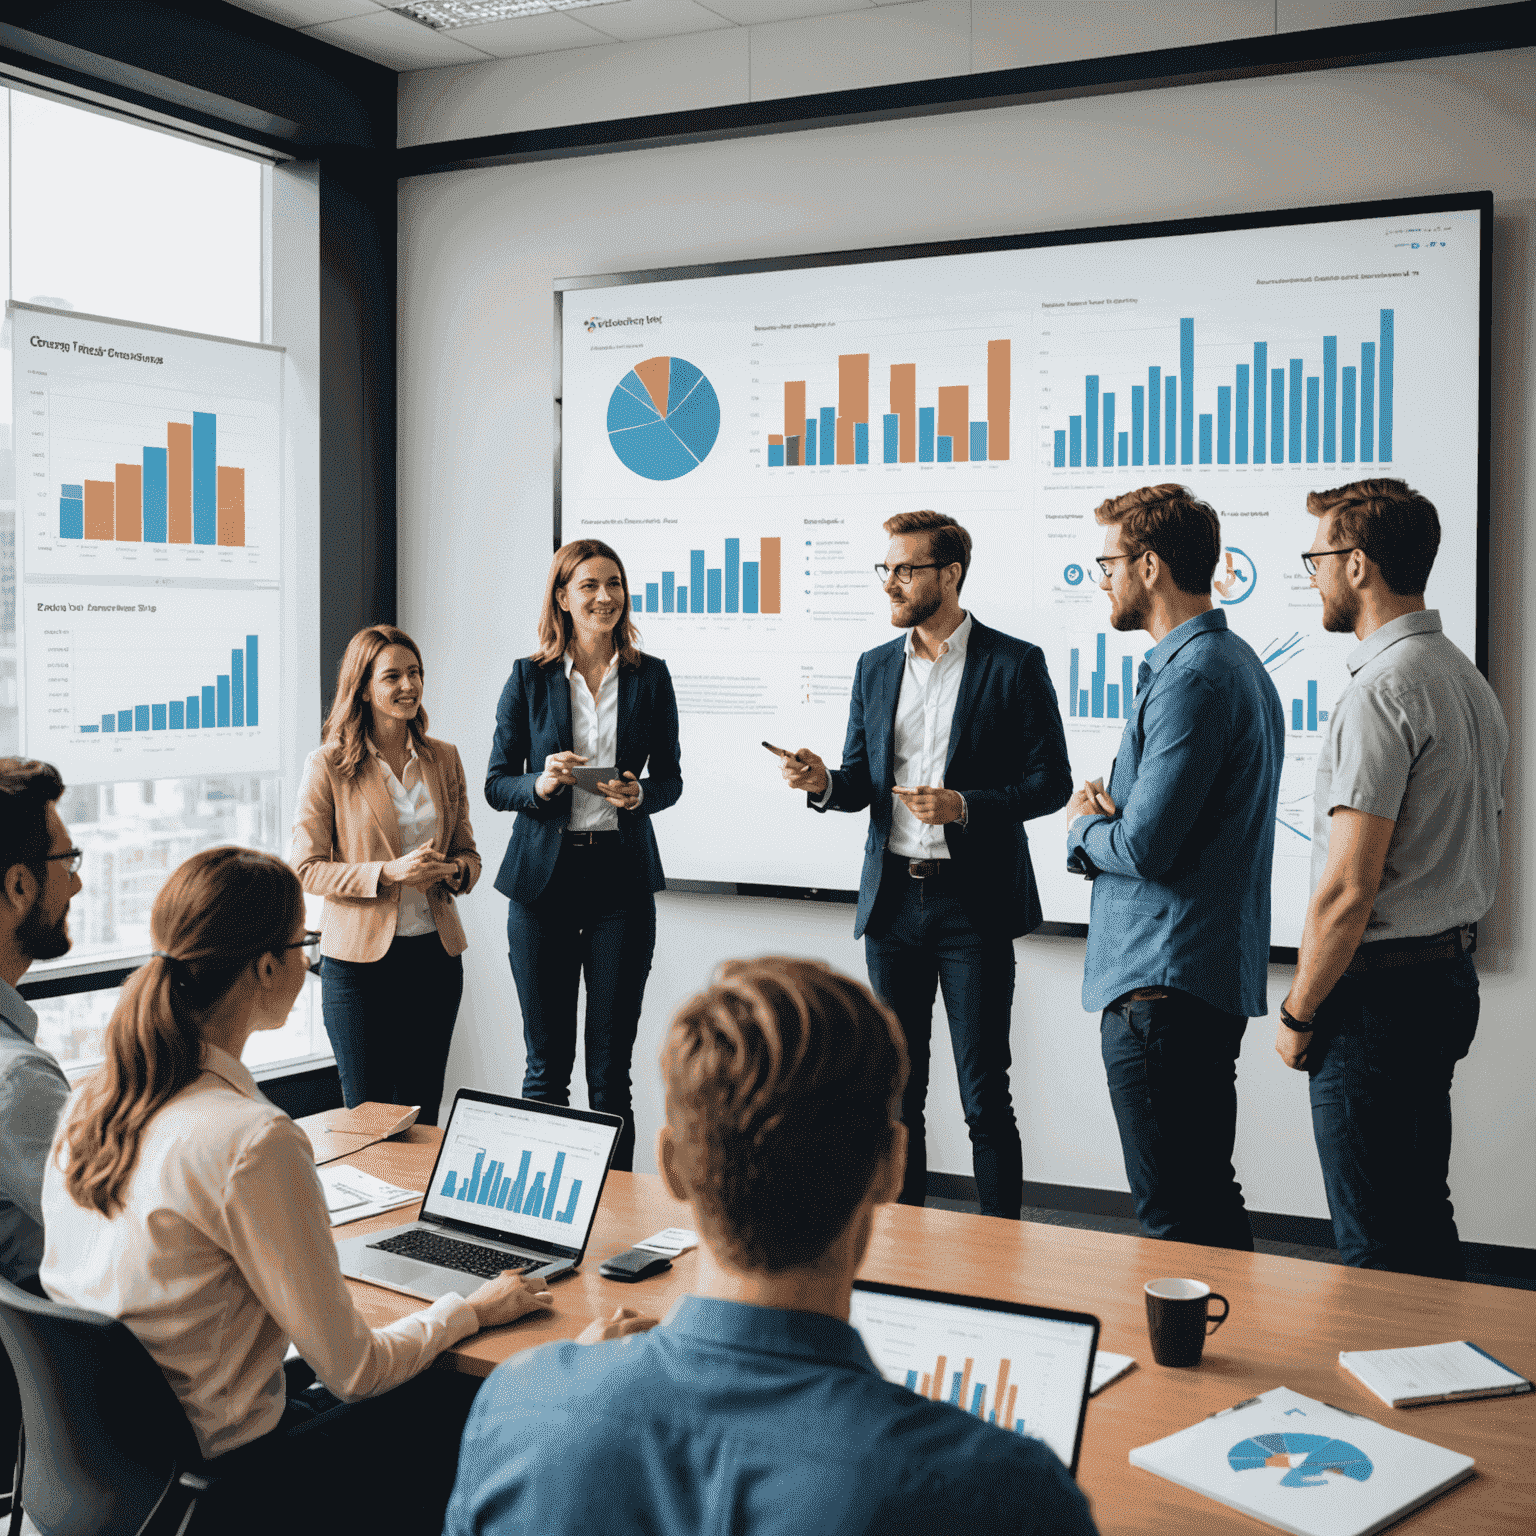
[[161, 464], [134, 683], [717, 584]]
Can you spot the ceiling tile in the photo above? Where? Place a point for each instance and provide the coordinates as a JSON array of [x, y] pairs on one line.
[[396, 42], [632, 20], [546, 33], [308, 13], [748, 13]]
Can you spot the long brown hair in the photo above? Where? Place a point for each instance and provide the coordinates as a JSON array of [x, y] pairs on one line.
[[351, 716], [221, 910], [555, 623]]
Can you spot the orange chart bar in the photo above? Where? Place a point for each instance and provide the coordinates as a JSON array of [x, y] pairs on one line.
[[129, 522], [99, 496], [999, 397], [768, 575], [954, 419], [231, 505], [904, 409], [178, 439]]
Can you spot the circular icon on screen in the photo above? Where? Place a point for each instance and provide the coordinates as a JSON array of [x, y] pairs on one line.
[[1074, 575], [1236, 577]]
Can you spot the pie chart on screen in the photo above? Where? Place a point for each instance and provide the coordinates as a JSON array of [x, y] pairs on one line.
[[663, 418]]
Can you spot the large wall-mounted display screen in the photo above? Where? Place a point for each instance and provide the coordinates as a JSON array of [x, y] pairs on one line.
[[739, 435]]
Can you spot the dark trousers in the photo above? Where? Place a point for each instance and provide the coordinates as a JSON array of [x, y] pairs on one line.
[[1385, 1046], [595, 920], [391, 1022], [385, 1464], [920, 940], [1172, 1068]]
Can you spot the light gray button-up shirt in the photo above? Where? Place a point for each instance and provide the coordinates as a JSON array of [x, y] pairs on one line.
[[32, 1094], [1417, 737]]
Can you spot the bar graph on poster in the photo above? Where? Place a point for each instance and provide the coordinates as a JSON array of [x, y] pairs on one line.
[[1015, 389], [149, 480]]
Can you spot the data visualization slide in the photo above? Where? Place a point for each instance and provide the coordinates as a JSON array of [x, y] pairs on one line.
[[522, 1172], [1026, 1374], [740, 438], [150, 683]]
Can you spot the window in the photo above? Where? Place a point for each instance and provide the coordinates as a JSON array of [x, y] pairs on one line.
[[111, 218]]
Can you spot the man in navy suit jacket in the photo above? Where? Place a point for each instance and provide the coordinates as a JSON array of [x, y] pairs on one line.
[[954, 742]]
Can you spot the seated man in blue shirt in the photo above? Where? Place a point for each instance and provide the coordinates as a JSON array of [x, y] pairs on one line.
[[755, 1407], [1180, 851]]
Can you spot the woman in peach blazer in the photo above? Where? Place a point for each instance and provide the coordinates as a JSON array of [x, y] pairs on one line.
[[382, 832]]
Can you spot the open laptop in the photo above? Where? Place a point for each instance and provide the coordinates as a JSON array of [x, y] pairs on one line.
[[1022, 1368], [515, 1186]]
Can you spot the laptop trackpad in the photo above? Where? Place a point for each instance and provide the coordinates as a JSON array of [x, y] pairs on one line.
[[401, 1274]]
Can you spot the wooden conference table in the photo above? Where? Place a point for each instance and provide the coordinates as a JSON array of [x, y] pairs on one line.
[[1290, 1318]]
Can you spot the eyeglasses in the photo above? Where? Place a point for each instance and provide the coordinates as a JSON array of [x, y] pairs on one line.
[[902, 573], [1104, 561], [1310, 557], [74, 855], [310, 944]]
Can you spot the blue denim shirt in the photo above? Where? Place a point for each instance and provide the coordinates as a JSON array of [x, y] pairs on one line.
[[1181, 875], [731, 1418]]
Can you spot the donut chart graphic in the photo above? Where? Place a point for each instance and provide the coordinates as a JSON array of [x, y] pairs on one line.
[[1236, 576], [1318, 1454], [663, 418]]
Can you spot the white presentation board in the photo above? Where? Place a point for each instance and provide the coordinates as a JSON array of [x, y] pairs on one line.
[[739, 436], [148, 476]]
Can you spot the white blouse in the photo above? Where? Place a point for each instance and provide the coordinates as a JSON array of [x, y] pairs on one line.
[[221, 1254], [417, 816], [595, 735]]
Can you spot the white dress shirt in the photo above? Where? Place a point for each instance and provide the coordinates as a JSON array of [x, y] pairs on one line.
[[221, 1254], [925, 712], [594, 736], [417, 816]]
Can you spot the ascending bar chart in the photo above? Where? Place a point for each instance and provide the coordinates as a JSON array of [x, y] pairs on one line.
[[175, 494], [945, 432], [230, 702], [1273, 409], [535, 1193], [732, 586], [1099, 699]]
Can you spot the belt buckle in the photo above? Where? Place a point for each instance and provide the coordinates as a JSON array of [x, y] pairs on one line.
[[922, 869]]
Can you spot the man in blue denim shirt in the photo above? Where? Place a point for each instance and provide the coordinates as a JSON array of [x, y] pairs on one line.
[[1179, 851], [755, 1406]]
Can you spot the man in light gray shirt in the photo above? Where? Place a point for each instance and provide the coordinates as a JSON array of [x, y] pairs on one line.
[[1405, 859], [38, 877]]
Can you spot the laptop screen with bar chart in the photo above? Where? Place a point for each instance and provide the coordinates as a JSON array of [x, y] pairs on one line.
[[1020, 1367], [511, 1168]]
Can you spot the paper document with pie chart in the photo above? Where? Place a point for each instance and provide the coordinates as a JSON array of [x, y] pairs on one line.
[[663, 418], [1304, 1466]]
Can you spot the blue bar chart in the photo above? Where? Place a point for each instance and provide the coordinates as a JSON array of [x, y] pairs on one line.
[[733, 586], [1303, 712], [1100, 699], [530, 1193], [231, 702], [1319, 410]]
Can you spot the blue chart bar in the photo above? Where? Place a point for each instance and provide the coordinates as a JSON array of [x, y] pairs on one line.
[[696, 580], [210, 711], [810, 439], [636, 603], [682, 599], [223, 709], [125, 720], [828, 434], [178, 715], [237, 687], [157, 717], [775, 455], [668, 591], [194, 711], [861, 442], [1073, 670], [946, 450], [1096, 683], [91, 730], [713, 605], [1126, 691], [154, 504], [978, 1396], [141, 717], [733, 575], [109, 722], [892, 440], [749, 586], [978, 441], [925, 421], [652, 597], [1112, 701], [1082, 704], [1295, 416], [1296, 714], [954, 1387], [72, 511], [205, 478], [1311, 705], [911, 1381]]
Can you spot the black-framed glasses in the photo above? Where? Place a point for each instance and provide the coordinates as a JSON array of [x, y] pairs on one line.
[[903, 573], [1105, 561], [75, 856], [310, 944], [1310, 557]]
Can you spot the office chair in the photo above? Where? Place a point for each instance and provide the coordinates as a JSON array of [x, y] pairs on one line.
[[104, 1449]]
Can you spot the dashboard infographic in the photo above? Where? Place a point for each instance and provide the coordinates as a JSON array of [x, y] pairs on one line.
[[739, 437]]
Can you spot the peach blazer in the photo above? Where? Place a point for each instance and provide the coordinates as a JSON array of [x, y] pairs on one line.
[[345, 831]]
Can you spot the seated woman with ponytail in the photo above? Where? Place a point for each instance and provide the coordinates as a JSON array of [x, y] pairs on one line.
[[180, 1201]]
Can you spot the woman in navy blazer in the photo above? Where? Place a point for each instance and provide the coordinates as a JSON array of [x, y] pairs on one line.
[[582, 867]]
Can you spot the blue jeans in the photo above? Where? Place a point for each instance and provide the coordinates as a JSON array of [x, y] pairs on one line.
[[391, 1022], [1172, 1069], [595, 919], [1385, 1048], [926, 942]]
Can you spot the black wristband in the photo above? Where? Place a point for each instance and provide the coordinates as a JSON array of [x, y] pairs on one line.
[[1292, 1023]]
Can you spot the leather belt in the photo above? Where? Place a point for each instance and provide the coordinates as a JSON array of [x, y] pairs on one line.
[[1388, 954], [921, 869], [588, 839]]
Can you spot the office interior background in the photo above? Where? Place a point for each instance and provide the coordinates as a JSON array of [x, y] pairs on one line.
[[393, 205]]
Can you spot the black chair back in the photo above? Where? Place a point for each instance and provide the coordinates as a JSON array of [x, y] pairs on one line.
[[105, 1440]]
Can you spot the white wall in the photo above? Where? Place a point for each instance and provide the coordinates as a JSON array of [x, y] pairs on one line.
[[478, 253]]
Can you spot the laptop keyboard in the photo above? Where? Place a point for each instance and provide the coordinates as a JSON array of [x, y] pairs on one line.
[[447, 1253]]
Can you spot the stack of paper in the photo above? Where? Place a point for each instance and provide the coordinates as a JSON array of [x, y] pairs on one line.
[[1301, 1465], [1432, 1373], [351, 1194]]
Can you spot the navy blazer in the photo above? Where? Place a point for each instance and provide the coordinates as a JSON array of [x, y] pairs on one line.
[[533, 720], [1007, 756]]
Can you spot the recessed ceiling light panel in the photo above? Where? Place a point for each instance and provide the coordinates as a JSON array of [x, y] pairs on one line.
[[445, 15]]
